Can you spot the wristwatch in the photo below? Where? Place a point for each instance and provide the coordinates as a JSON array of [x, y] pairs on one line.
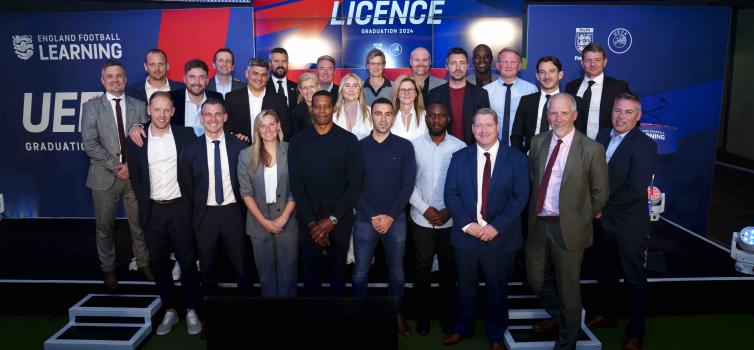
[[334, 220]]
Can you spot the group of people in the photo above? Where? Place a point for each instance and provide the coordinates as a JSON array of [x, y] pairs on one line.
[[471, 170]]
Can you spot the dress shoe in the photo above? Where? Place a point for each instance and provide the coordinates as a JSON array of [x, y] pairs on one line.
[[452, 339], [111, 281], [497, 345], [546, 326], [599, 321], [403, 328], [422, 324], [632, 344], [147, 272]]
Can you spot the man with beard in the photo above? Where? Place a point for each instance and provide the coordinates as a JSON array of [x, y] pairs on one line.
[[482, 58], [223, 82], [279, 83], [244, 105], [421, 62], [463, 99], [157, 67], [506, 92]]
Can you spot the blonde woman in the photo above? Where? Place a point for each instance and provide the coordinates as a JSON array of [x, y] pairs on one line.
[[408, 108], [351, 110], [263, 180], [301, 115]]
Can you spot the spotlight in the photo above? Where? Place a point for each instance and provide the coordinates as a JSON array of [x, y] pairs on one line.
[[742, 250]]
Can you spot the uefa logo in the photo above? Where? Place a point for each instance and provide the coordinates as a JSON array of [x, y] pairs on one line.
[[23, 45], [619, 40], [395, 49]]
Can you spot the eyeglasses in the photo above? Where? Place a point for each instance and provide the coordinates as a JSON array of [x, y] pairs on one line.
[[406, 91]]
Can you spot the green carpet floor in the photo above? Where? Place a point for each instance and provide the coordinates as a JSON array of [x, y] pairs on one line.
[[728, 332]]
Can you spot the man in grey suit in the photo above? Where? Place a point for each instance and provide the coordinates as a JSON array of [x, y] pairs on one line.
[[421, 62], [569, 188], [104, 122]]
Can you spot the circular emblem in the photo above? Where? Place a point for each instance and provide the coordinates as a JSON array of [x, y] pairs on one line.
[[619, 40], [395, 49]]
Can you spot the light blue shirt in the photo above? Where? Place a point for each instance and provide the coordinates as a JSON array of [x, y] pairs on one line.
[[496, 90], [192, 117], [432, 162], [223, 89], [615, 140]]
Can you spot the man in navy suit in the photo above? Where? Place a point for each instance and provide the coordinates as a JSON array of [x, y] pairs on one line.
[[156, 65], [218, 215], [621, 235], [164, 207], [486, 190]]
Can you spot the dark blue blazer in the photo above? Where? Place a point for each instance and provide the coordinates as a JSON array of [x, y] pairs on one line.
[[509, 192], [197, 174], [136, 90], [138, 168], [474, 98], [630, 172]]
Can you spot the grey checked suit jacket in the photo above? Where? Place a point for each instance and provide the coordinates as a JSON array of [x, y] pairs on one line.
[[252, 184], [99, 135]]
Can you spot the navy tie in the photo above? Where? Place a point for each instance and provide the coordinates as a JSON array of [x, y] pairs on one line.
[[507, 115], [219, 198]]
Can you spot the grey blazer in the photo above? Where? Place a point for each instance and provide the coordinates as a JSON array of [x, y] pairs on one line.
[[99, 135], [252, 185], [434, 82]]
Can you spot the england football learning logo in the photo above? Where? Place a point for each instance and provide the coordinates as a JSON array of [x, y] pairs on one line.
[[23, 46], [619, 40], [584, 36]]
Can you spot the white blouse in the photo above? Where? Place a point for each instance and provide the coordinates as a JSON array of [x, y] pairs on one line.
[[413, 131], [361, 129], [271, 183]]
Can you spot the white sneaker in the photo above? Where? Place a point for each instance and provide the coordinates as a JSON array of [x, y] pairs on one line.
[[170, 319], [176, 272], [193, 325], [132, 265]]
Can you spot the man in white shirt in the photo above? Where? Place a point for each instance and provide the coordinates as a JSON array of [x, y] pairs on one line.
[[279, 82], [505, 93], [223, 82], [430, 219], [156, 65], [325, 74]]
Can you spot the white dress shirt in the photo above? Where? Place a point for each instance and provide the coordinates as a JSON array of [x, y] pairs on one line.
[[149, 89], [223, 88], [414, 130], [255, 106], [228, 196], [542, 101], [480, 160], [163, 166], [552, 198], [432, 162], [270, 183], [496, 90], [193, 114], [363, 126], [593, 118]]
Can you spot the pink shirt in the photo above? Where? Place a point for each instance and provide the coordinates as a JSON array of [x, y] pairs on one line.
[[552, 198]]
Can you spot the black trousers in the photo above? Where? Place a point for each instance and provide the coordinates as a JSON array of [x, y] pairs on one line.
[[427, 243], [223, 227], [335, 253], [169, 229], [617, 254]]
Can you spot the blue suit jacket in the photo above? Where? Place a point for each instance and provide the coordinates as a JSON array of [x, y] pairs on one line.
[[630, 172], [138, 168], [196, 172], [508, 193]]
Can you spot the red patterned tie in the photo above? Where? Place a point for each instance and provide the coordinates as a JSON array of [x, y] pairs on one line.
[[486, 176], [546, 178]]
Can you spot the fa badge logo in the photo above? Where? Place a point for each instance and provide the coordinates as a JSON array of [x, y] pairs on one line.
[[619, 40], [395, 49], [584, 36], [23, 46]]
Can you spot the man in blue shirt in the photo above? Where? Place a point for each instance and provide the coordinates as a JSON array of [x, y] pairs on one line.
[[389, 175]]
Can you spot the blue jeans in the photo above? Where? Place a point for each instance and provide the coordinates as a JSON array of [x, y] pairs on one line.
[[365, 240]]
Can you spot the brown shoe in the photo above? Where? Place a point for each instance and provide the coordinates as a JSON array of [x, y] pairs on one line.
[[147, 271], [452, 339], [632, 344], [599, 321], [111, 281], [403, 328], [546, 326], [496, 345]]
